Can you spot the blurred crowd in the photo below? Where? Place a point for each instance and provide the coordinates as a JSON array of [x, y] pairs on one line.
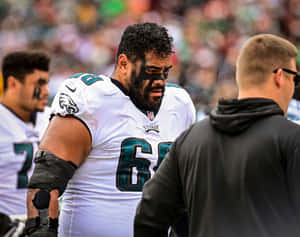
[[82, 36]]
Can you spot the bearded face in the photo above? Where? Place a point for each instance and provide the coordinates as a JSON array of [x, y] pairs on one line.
[[147, 92]]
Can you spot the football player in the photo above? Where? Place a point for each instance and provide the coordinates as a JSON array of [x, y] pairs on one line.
[[106, 139], [293, 112], [22, 120]]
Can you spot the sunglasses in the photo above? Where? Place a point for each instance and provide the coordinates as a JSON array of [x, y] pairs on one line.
[[296, 75]]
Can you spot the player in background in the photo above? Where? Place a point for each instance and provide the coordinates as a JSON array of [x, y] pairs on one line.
[[22, 120], [111, 133], [293, 112]]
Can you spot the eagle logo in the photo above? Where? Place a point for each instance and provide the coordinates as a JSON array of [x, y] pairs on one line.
[[151, 127], [66, 103]]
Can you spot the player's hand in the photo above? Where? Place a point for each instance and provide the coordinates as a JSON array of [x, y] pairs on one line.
[[36, 228], [42, 232]]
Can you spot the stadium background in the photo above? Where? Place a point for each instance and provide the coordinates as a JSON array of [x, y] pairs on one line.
[[83, 35]]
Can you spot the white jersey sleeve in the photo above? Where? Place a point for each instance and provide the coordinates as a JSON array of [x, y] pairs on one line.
[[79, 96]]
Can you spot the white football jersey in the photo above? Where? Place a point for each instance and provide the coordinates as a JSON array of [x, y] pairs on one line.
[[127, 147], [18, 143], [293, 112]]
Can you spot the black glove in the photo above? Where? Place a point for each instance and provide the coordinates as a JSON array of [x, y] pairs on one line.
[[41, 227]]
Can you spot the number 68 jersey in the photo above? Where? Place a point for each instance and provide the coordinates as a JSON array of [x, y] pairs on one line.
[[127, 147]]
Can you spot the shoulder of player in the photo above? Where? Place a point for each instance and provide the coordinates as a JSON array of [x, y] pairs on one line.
[[178, 93], [5, 117], [10, 124], [8, 118], [87, 83], [83, 93]]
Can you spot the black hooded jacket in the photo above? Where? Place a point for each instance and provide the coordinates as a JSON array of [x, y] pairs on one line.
[[236, 172]]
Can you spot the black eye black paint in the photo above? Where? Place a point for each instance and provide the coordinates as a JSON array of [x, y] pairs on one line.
[[37, 90], [144, 75], [37, 93], [151, 76]]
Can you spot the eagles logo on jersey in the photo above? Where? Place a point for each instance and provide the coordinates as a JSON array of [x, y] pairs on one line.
[[66, 102]]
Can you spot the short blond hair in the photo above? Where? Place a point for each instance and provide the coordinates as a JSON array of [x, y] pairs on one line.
[[260, 56]]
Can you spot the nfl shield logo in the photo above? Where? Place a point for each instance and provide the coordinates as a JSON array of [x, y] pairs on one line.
[[150, 115]]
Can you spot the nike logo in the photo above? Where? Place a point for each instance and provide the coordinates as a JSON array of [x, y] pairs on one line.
[[71, 89]]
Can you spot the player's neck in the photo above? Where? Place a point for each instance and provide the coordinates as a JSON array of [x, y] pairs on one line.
[[123, 80], [15, 108]]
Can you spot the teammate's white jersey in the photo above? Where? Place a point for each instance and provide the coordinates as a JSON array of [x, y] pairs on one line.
[[127, 147], [18, 143], [293, 112]]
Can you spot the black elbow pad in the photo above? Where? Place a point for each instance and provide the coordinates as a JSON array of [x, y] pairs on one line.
[[51, 172]]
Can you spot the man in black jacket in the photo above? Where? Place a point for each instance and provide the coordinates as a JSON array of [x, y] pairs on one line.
[[236, 172]]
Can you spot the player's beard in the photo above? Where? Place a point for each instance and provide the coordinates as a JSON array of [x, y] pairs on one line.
[[41, 105], [40, 109], [142, 96]]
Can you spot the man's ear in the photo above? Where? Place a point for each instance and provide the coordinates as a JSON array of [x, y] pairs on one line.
[[278, 77], [123, 63], [11, 82]]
